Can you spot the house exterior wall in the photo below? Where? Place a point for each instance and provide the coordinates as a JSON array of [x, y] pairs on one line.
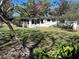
[[44, 24], [47, 22]]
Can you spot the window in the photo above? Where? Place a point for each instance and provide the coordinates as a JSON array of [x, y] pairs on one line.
[[32, 21], [41, 20], [35, 21], [48, 20], [38, 21]]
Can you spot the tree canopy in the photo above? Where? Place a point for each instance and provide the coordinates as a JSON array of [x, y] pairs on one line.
[[34, 8]]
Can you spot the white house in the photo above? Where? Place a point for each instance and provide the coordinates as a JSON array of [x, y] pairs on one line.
[[46, 22], [38, 22]]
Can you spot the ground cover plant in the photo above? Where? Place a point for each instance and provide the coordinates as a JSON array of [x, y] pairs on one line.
[[54, 44]]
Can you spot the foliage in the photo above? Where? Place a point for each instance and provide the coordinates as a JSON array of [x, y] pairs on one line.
[[67, 48], [54, 45], [6, 9], [64, 7], [33, 8], [17, 22], [70, 17]]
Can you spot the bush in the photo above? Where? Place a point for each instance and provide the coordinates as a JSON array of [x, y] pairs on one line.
[[65, 47], [17, 22]]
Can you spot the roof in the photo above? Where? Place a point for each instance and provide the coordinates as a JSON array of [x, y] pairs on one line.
[[30, 18]]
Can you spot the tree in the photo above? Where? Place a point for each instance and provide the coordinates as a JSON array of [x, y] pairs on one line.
[[34, 8], [5, 9], [64, 7], [26, 48]]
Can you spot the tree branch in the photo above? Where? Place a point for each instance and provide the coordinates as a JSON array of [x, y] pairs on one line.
[[7, 44], [37, 43], [10, 8], [1, 1], [9, 25]]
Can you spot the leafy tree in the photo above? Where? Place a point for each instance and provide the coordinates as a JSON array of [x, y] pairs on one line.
[[5, 11], [34, 8], [64, 7]]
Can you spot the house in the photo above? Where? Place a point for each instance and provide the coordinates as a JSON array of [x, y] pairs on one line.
[[37, 22], [32, 22]]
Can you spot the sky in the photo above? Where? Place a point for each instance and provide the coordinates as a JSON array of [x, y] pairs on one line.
[[21, 1], [18, 2], [52, 7], [74, 0]]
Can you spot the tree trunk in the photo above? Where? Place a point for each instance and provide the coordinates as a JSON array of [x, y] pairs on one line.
[[16, 51], [1, 1]]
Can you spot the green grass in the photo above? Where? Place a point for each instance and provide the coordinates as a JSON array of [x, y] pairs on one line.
[[44, 29]]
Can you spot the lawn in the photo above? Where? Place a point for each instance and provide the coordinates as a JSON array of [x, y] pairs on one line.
[[44, 29]]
